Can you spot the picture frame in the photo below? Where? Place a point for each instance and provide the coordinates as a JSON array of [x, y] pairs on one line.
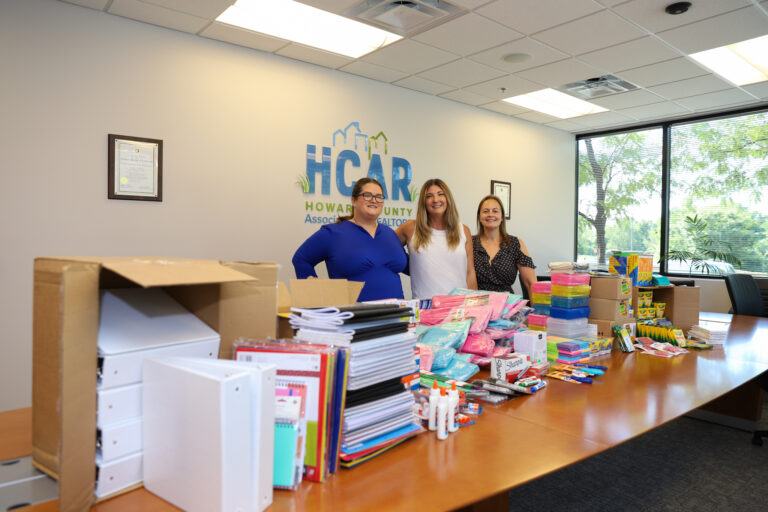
[[503, 190], [134, 168]]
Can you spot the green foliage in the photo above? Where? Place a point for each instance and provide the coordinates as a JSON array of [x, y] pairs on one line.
[[303, 182], [701, 248], [414, 193]]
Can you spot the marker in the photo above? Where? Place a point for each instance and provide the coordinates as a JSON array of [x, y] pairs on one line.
[[593, 366]]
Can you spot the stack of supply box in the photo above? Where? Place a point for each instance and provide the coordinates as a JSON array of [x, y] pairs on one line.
[[569, 305], [575, 351], [609, 304], [540, 301]]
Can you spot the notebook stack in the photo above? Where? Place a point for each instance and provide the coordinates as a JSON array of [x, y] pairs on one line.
[[713, 333], [378, 413]]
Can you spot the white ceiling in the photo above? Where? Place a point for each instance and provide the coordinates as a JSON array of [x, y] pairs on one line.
[[569, 40]]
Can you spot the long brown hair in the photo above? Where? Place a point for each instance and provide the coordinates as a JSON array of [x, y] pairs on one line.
[[356, 191], [423, 232], [502, 225]]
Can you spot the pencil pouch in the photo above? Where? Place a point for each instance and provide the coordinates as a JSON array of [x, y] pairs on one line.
[[459, 370], [426, 357], [448, 334], [443, 357], [480, 344]]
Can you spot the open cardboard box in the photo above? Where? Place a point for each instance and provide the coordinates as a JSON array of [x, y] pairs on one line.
[[312, 293], [233, 298], [682, 303]]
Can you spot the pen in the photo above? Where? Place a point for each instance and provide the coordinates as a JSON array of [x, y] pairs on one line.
[[593, 366]]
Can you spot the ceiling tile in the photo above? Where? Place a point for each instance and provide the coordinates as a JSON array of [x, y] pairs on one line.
[[567, 125], [467, 34], [93, 4], [760, 89], [610, 3], [560, 73], [720, 30], [531, 16], [650, 13], [536, 117], [313, 55], [690, 87], [511, 84], [209, 9], [465, 97], [663, 72], [503, 107], [409, 56], [461, 73], [590, 33], [421, 84], [369, 70], [242, 37], [337, 6], [627, 99], [469, 4], [157, 15], [604, 120], [632, 54], [657, 111], [540, 55], [715, 99]]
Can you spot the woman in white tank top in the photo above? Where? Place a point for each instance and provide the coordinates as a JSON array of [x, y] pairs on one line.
[[439, 246]]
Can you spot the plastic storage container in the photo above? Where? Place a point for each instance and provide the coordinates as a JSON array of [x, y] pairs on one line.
[[541, 298], [569, 313], [567, 328], [570, 279], [541, 309], [541, 287], [570, 291], [570, 302], [534, 319]]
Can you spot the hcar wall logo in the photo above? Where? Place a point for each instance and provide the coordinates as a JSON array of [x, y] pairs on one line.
[[323, 174]]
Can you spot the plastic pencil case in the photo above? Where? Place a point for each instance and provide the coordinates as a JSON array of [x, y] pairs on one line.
[[569, 279], [541, 298], [537, 327], [568, 313], [541, 287], [534, 319], [567, 324], [570, 302], [570, 291], [541, 309]]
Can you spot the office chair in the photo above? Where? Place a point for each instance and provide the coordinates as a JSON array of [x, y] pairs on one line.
[[745, 294]]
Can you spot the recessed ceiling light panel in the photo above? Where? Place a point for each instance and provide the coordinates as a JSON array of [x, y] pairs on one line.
[[555, 103], [740, 63]]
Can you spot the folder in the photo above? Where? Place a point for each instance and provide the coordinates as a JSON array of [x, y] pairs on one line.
[[209, 433], [137, 323]]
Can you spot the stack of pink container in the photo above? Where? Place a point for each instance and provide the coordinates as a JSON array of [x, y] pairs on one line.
[[540, 301]]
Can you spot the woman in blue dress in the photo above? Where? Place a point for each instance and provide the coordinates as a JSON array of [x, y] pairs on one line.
[[357, 247]]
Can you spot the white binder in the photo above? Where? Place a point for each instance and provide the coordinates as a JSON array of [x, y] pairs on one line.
[[209, 433], [137, 323], [118, 440], [118, 404], [118, 474]]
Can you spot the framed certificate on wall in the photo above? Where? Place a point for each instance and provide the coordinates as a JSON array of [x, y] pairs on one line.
[[503, 190], [135, 167]]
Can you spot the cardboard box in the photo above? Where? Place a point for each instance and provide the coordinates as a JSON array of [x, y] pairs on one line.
[[617, 288], [312, 293], [608, 309], [233, 298], [605, 327], [682, 303]]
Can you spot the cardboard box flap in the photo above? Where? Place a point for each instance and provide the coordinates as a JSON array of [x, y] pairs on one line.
[[313, 293], [283, 298], [149, 272]]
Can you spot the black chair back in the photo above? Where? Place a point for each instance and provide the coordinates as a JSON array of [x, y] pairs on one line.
[[745, 294]]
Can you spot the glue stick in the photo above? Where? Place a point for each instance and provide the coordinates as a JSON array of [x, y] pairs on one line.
[[434, 395], [442, 415], [453, 406]]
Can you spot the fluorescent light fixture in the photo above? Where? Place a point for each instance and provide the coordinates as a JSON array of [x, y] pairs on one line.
[[555, 103], [740, 63], [307, 25]]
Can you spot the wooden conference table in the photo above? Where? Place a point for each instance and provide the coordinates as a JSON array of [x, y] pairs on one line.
[[510, 444]]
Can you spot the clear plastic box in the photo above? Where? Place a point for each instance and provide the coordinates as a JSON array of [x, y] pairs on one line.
[[570, 302], [541, 298], [569, 279], [541, 287], [569, 313], [570, 291]]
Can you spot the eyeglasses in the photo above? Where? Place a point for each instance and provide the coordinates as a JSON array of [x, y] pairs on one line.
[[379, 198]]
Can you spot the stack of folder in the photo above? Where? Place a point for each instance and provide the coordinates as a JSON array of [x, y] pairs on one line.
[[290, 433], [379, 409]]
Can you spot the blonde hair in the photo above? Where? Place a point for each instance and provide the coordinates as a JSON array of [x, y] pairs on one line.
[[423, 232], [505, 240]]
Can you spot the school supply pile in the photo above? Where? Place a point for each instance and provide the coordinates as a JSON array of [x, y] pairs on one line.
[[574, 351], [569, 304], [658, 348], [577, 373], [290, 433], [711, 333], [661, 330], [541, 300]]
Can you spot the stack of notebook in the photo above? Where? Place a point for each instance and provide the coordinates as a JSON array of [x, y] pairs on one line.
[[378, 412], [713, 333]]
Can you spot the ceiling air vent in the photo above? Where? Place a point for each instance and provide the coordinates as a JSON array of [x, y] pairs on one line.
[[404, 17], [597, 87]]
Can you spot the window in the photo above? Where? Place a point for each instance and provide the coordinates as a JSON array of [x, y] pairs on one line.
[[715, 220]]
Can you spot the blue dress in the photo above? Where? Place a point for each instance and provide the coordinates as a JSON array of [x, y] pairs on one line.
[[351, 253]]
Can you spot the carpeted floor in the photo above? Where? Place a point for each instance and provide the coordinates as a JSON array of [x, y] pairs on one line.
[[686, 465]]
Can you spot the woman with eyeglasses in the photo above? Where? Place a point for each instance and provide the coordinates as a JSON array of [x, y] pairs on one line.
[[439, 245], [357, 247]]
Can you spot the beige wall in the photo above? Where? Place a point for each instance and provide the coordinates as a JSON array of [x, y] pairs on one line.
[[235, 124]]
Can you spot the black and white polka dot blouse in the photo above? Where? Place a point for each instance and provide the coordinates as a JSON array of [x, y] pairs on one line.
[[499, 275]]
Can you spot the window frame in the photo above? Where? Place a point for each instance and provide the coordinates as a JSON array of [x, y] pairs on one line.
[[666, 152]]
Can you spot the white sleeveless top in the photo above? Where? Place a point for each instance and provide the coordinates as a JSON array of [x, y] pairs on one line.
[[436, 269]]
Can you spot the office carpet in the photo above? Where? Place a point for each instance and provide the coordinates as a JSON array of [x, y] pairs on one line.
[[685, 465]]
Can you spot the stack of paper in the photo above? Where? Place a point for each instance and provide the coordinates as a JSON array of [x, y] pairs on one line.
[[713, 333], [290, 433]]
